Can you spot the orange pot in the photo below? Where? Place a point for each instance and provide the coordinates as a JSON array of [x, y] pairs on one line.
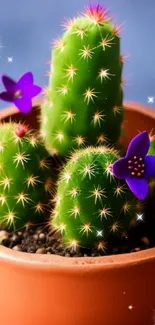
[[53, 290]]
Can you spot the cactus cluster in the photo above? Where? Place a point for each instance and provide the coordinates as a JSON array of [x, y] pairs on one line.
[[84, 99], [26, 181], [82, 116], [91, 204]]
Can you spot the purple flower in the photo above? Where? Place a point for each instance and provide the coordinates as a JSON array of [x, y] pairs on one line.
[[136, 166], [21, 92]]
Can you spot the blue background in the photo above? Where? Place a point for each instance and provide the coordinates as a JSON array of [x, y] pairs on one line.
[[28, 27]]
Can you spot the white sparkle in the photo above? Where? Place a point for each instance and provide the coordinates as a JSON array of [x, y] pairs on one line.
[[10, 59], [139, 217], [150, 99], [99, 233], [130, 307]]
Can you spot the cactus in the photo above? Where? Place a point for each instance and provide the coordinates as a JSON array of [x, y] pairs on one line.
[[91, 205], [84, 99], [26, 182], [152, 179], [152, 147]]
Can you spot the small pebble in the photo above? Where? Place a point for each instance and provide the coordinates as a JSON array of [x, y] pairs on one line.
[[136, 249], [14, 237], [41, 250], [4, 233], [35, 236], [16, 248], [41, 236], [145, 240]]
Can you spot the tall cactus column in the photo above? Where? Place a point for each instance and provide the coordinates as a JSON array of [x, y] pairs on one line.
[[84, 104]]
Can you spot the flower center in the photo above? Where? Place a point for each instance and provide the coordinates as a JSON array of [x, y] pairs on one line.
[[136, 166], [18, 94]]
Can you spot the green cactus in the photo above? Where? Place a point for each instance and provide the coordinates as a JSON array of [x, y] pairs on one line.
[[152, 147], [26, 182], [91, 205], [152, 179], [84, 99]]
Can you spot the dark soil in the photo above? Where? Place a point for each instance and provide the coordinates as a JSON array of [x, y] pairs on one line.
[[40, 239]]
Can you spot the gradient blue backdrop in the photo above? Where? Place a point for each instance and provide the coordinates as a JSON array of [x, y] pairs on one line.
[[28, 27]]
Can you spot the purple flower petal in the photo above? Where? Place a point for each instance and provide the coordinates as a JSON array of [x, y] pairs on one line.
[[25, 80], [9, 83], [34, 91], [23, 104], [7, 96], [120, 168], [149, 166], [138, 186], [139, 146]]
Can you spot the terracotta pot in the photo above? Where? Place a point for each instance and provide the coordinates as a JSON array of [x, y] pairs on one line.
[[54, 290]]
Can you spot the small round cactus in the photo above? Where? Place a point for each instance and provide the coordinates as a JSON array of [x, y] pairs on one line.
[[84, 99], [92, 205], [26, 181]]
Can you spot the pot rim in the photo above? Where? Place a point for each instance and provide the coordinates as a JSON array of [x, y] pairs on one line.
[[47, 261], [101, 262]]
